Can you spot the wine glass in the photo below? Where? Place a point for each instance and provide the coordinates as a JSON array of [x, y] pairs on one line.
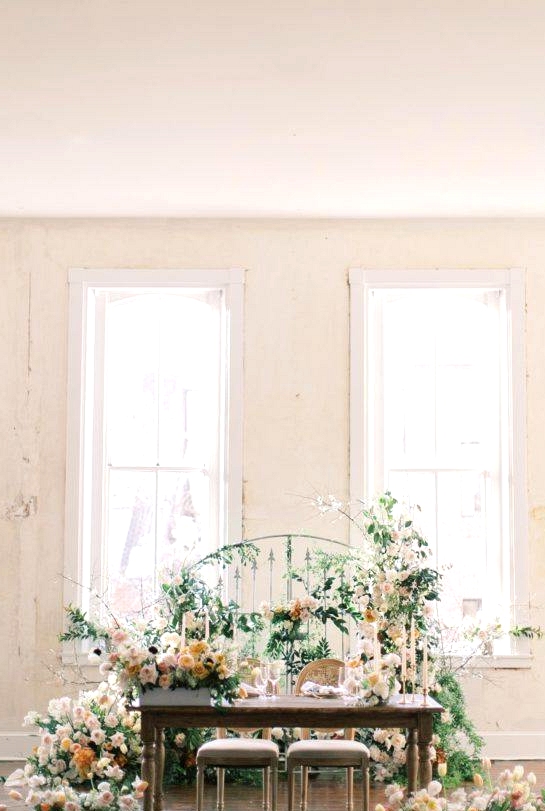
[[275, 672], [344, 682], [349, 681], [262, 680]]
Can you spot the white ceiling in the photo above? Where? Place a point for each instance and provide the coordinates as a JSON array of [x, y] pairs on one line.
[[343, 108]]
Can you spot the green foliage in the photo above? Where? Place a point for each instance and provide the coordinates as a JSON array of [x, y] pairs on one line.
[[459, 742], [80, 627], [526, 632]]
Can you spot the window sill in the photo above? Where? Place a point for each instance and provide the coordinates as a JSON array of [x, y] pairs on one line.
[[506, 661], [77, 656]]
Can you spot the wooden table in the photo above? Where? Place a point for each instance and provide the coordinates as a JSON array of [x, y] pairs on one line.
[[289, 711]]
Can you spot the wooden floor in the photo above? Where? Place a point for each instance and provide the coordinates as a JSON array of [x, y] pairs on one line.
[[326, 791]]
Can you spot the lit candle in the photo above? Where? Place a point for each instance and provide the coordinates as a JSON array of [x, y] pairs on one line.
[[183, 632], [206, 625], [413, 653], [425, 667]]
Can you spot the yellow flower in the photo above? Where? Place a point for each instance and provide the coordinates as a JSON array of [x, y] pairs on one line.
[[199, 670], [186, 661], [442, 769], [373, 679], [242, 693], [66, 743], [370, 615], [478, 780], [198, 647]]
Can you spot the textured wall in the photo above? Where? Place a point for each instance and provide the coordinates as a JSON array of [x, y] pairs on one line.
[[296, 395]]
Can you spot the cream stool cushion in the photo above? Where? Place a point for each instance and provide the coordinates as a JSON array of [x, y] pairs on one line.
[[333, 752], [238, 752]]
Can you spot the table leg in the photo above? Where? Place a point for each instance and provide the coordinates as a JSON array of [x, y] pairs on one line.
[[159, 769], [425, 732], [412, 760], [148, 760]]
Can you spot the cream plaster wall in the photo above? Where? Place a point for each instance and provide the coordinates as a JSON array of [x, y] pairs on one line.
[[295, 401]]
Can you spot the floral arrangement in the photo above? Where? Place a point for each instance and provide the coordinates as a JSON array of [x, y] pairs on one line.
[[393, 584], [168, 662], [292, 613], [296, 631], [379, 681], [289, 627], [511, 792], [83, 740], [60, 796], [387, 752]]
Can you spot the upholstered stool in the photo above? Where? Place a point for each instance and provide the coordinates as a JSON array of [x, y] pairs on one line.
[[345, 752], [243, 753], [342, 753]]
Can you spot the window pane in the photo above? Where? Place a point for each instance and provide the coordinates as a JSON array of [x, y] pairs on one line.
[[450, 516], [130, 539], [462, 546], [183, 518], [162, 368], [131, 384], [437, 387]]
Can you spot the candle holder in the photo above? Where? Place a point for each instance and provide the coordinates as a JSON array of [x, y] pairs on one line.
[[425, 696], [403, 691]]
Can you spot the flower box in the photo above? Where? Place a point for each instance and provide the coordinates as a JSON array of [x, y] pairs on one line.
[[179, 697]]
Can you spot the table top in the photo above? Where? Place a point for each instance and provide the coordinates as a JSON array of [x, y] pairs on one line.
[[296, 711]]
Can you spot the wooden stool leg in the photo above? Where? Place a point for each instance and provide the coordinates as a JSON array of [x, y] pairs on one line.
[[291, 787], [221, 788], [200, 786], [274, 786], [266, 787], [304, 787], [350, 789], [365, 786]]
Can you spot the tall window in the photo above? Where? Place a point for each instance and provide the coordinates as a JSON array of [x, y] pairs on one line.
[[154, 438], [439, 423]]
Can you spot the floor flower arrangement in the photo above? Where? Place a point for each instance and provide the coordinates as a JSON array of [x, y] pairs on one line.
[[512, 791], [84, 740]]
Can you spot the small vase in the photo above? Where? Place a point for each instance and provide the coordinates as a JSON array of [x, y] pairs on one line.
[[179, 697]]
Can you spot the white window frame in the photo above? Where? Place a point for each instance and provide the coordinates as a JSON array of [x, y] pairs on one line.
[[512, 281], [81, 282]]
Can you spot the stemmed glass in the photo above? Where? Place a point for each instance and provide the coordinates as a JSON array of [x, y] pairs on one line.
[[275, 672], [262, 679], [349, 682]]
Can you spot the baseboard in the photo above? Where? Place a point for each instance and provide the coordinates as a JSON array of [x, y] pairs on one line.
[[514, 745], [498, 745]]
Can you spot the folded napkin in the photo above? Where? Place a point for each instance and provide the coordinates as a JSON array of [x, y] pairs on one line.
[[314, 689], [251, 689]]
